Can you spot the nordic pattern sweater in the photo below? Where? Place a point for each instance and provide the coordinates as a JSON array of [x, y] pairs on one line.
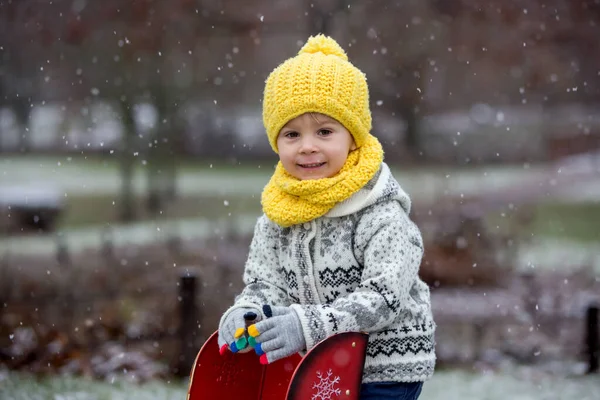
[[353, 269]]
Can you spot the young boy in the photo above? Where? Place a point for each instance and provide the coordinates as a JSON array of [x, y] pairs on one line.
[[335, 250]]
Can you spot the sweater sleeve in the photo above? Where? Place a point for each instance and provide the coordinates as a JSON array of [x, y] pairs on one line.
[[263, 278], [391, 253]]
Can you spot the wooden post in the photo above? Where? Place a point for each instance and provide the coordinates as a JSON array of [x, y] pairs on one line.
[[592, 338], [62, 251], [6, 284], [188, 326], [174, 242], [108, 248]]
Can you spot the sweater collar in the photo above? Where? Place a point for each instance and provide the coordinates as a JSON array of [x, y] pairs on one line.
[[383, 186]]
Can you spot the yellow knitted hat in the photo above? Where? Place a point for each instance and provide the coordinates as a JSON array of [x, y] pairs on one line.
[[319, 79]]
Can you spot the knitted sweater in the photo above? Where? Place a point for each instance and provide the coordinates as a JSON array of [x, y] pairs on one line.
[[353, 269]]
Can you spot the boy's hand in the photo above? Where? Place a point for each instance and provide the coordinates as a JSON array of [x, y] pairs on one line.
[[278, 336], [233, 329]]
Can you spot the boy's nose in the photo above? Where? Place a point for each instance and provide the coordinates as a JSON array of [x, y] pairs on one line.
[[307, 145]]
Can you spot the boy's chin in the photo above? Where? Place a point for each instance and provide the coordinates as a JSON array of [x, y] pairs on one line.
[[310, 175], [313, 177]]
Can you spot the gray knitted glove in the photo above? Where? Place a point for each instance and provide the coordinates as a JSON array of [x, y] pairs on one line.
[[279, 336], [236, 322]]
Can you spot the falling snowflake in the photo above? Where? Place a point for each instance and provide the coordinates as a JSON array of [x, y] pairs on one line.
[[326, 386]]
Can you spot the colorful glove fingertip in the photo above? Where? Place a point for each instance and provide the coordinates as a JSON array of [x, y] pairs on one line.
[[239, 332], [263, 359], [241, 343], [258, 349], [233, 347], [223, 349], [252, 331]]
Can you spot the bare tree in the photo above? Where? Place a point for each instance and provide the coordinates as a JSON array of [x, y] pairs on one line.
[[21, 42]]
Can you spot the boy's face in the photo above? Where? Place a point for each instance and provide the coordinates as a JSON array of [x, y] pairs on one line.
[[314, 146]]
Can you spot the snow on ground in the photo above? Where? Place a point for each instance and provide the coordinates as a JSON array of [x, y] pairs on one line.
[[458, 385], [521, 384], [79, 177], [130, 234], [558, 255]]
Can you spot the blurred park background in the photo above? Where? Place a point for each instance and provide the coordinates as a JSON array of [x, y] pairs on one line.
[[132, 158]]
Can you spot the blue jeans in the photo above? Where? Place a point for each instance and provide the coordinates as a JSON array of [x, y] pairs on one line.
[[391, 391]]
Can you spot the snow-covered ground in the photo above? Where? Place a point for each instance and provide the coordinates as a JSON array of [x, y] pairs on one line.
[[558, 255], [445, 385], [457, 385], [131, 234]]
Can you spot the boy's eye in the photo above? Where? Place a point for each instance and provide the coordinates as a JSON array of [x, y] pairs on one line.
[[324, 132], [291, 134]]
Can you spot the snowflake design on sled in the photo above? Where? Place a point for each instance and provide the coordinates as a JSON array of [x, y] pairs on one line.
[[326, 386]]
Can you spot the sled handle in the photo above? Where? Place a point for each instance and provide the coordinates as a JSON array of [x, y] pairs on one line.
[[238, 376]]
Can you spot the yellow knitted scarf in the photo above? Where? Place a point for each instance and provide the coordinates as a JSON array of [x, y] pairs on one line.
[[287, 200]]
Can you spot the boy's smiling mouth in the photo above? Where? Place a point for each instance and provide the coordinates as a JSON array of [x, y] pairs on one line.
[[311, 165]]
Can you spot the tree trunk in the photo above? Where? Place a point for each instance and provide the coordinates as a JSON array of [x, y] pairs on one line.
[[171, 167], [22, 108], [408, 104], [155, 167], [127, 209], [320, 15], [2, 101], [407, 112]]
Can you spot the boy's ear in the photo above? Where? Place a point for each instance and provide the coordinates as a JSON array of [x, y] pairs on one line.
[[353, 145]]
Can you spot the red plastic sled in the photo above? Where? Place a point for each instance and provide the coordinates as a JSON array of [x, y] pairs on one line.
[[331, 370]]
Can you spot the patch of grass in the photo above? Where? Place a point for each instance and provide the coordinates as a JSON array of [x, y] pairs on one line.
[[578, 222], [111, 163], [104, 209], [573, 221]]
